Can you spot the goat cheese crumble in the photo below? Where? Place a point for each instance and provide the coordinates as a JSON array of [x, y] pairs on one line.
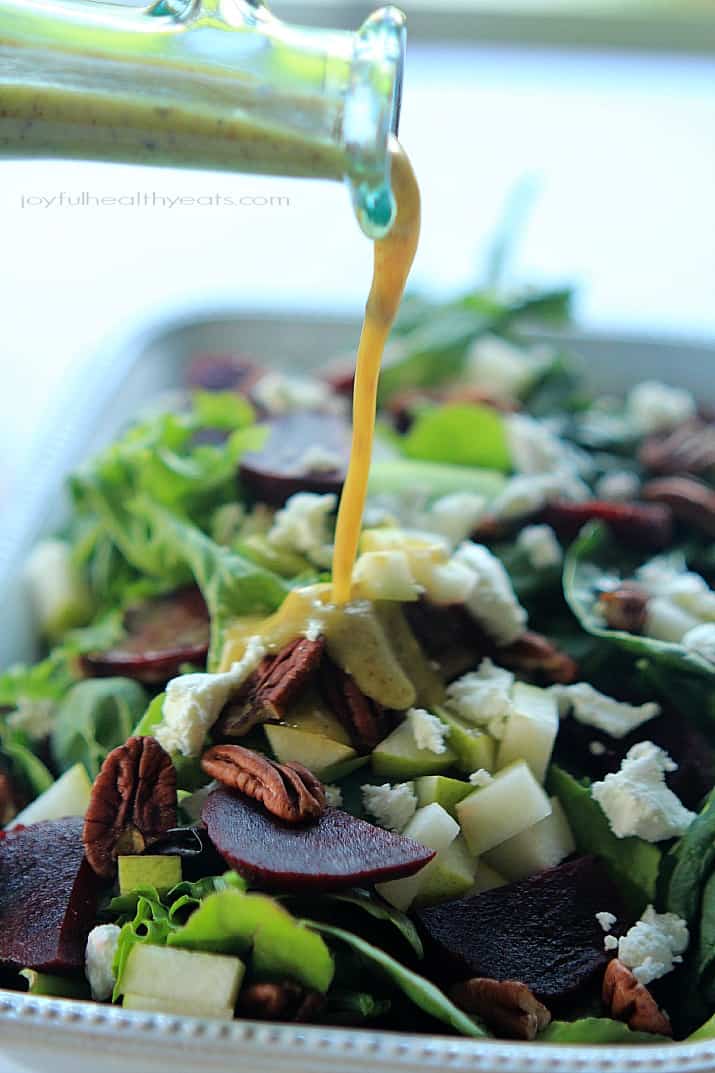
[[456, 516], [619, 486], [302, 525], [280, 393], [481, 778], [606, 920], [654, 945], [656, 407], [491, 600], [99, 960], [483, 697], [333, 796], [529, 493], [503, 370], [392, 806], [541, 546], [636, 799], [428, 730], [592, 708], [194, 702]]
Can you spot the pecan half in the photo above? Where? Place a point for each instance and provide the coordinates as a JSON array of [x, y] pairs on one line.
[[284, 1001], [639, 525], [272, 688], [289, 791], [507, 1006], [625, 608], [691, 501], [536, 655], [629, 1001], [133, 803], [689, 448], [362, 717]]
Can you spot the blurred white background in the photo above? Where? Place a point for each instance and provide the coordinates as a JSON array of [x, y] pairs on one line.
[[621, 145]]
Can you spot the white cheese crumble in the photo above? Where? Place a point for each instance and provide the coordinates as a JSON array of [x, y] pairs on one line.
[[491, 600], [456, 516], [280, 393], [318, 459], [654, 945], [619, 486], [680, 599], [32, 717], [636, 799], [606, 920], [194, 702], [701, 639], [99, 959], [610, 942], [428, 730], [481, 778], [392, 806], [505, 371], [595, 709], [303, 526], [314, 629], [596, 748], [483, 697], [541, 546], [535, 449], [529, 493], [656, 407], [333, 796]]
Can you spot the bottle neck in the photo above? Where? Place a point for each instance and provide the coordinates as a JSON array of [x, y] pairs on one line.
[[218, 84]]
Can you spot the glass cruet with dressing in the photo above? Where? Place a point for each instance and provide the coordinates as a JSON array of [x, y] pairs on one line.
[[210, 84]]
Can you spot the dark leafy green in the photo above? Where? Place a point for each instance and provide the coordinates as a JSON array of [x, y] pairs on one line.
[[688, 865], [96, 716], [596, 1030], [375, 907]]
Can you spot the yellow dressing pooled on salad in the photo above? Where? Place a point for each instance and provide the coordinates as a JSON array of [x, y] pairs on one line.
[[394, 255]]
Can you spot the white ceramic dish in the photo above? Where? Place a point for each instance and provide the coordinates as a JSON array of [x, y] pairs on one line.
[[42, 1034]]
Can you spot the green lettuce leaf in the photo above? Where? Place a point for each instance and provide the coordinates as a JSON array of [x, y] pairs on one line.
[[21, 761], [369, 903], [425, 995], [633, 863], [596, 1030], [151, 924], [706, 1031], [688, 864], [465, 434], [230, 922], [594, 555], [96, 716]]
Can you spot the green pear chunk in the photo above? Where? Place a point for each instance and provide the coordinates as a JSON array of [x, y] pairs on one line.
[[510, 803], [398, 757], [434, 828], [530, 730], [486, 878], [474, 748], [178, 1006], [450, 875], [185, 976], [68, 796], [152, 870], [319, 754], [546, 844], [445, 791]]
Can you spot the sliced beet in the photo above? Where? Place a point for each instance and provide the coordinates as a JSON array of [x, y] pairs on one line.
[[336, 851], [638, 525], [223, 372], [542, 931], [48, 897], [282, 467], [161, 634]]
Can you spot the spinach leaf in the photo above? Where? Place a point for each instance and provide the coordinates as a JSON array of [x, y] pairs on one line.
[[375, 907], [592, 556], [632, 862], [96, 716], [426, 995], [596, 1030], [689, 863], [706, 1031], [706, 941], [353, 1007], [464, 434]]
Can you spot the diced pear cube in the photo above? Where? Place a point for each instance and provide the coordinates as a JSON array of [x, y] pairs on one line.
[[187, 976], [68, 796], [445, 791], [318, 753], [474, 748], [432, 827], [542, 846], [180, 1007], [443, 583], [513, 801], [530, 730], [450, 875], [485, 879], [385, 575], [398, 757], [160, 871]]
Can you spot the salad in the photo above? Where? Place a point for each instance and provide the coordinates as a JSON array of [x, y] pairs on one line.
[[476, 799]]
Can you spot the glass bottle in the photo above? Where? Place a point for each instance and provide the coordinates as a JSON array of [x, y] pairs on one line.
[[211, 84]]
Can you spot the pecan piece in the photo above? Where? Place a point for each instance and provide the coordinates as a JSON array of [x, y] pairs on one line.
[[689, 448], [534, 654], [625, 608], [507, 1006], [691, 501], [133, 803], [362, 717], [272, 688], [283, 1001], [628, 1000], [289, 791], [639, 525]]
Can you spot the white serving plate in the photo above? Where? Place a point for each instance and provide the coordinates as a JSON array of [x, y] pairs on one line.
[[40, 1034]]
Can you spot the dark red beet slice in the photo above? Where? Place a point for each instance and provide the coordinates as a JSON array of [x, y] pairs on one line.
[[278, 471], [639, 525], [336, 851], [162, 633], [223, 372], [48, 897], [542, 931]]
